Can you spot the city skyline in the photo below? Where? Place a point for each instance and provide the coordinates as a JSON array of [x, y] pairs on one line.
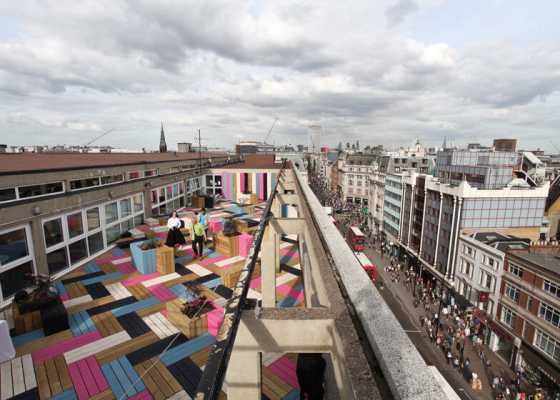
[[384, 73]]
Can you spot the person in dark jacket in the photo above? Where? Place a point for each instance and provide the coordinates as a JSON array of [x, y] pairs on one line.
[[174, 236], [310, 373]]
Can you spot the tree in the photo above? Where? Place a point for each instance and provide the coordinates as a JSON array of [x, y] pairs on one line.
[[339, 148], [347, 145]]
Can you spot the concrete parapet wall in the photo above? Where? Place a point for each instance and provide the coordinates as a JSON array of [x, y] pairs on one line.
[[404, 369]]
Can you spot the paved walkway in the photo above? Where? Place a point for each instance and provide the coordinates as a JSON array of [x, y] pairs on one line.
[[400, 300]]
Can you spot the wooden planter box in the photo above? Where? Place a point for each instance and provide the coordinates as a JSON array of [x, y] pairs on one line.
[[231, 275], [190, 327], [165, 260], [198, 201], [144, 260], [241, 226], [227, 245], [27, 322]]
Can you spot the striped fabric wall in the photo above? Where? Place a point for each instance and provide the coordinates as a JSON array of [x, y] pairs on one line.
[[258, 178], [272, 182], [241, 182]]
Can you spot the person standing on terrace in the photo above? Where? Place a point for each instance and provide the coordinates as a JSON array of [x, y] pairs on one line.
[[174, 235]]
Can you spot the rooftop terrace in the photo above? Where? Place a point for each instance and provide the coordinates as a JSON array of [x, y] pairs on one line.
[[123, 342]]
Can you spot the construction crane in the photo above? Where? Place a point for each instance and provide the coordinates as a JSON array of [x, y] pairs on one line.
[[99, 137], [270, 130], [556, 147]]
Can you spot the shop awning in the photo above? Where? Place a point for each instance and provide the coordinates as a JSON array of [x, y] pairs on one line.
[[541, 363]]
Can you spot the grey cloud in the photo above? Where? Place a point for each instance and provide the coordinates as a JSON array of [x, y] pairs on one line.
[[401, 9]]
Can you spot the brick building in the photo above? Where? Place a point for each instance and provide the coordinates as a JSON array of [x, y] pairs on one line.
[[528, 319]]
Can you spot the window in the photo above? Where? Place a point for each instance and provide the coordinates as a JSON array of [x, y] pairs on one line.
[[78, 251], [134, 175], [13, 246], [507, 317], [512, 292], [126, 208], [79, 184], [168, 198], [529, 303], [16, 260], [138, 201], [548, 344], [112, 233], [53, 232], [489, 261], [552, 288], [75, 227], [7, 195], [111, 212], [151, 172], [15, 279], [93, 220], [467, 268], [549, 314], [515, 270], [95, 243], [40, 190], [487, 280], [109, 180], [469, 251], [57, 260]]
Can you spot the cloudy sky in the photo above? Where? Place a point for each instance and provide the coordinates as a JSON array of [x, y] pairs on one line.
[[384, 71]]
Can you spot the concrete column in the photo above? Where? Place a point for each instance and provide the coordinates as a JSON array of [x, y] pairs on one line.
[[438, 225], [276, 208], [270, 262], [39, 250], [420, 252], [243, 375], [148, 201], [448, 267], [410, 214], [455, 238]]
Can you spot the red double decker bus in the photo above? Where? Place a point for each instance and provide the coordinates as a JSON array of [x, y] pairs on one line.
[[356, 238]]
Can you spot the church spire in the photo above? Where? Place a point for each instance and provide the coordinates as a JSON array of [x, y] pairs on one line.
[[162, 144]]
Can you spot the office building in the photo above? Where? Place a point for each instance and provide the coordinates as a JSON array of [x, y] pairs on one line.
[[448, 210], [481, 169]]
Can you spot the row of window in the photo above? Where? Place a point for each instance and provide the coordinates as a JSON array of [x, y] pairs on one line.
[[549, 314], [73, 237], [166, 199], [30, 191], [47, 189], [80, 184], [548, 344]]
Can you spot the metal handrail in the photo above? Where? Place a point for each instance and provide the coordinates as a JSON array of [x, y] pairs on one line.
[[210, 384]]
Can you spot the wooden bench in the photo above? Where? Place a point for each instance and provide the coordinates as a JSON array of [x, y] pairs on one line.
[[17, 376], [159, 381], [53, 377], [87, 377], [123, 378], [125, 348], [106, 323]]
